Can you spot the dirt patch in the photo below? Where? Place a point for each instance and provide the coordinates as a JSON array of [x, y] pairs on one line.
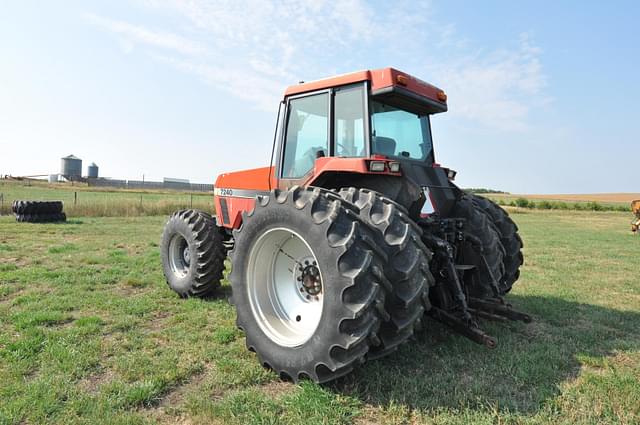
[[176, 396], [9, 297], [168, 410], [160, 417], [536, 330], [368, 416], [17, 261], [157, 323], [92, 383], [128, 290], [277, 388]]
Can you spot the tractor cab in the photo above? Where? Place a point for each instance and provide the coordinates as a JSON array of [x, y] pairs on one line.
[[373, 125], [349, 122]]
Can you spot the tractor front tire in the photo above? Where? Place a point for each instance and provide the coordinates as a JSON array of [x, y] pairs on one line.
[[407, 266], [307, 284], [510, 239], [193, 253]]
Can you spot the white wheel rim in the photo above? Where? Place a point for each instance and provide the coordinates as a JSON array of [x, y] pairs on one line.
[[179, 255], [284, 284]]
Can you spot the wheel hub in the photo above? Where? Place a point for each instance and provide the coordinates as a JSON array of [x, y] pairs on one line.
[[179, 256], [284, 283], [186, 255], [309, 278]]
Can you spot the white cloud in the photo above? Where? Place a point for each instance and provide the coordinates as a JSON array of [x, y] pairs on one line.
[[496, 89], [130, 34], [253, 49], [257, 89]]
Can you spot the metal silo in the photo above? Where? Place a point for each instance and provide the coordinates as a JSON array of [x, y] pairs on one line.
[[71, 168], [92, 171]]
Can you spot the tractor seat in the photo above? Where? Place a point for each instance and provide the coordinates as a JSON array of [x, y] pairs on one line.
[[384, 146]]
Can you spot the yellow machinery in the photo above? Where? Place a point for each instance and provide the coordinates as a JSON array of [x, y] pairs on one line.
[[635, 207]]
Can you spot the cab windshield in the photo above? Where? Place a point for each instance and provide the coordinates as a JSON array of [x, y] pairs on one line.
[[399, 133]]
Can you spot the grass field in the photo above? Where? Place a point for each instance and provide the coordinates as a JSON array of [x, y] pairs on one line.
[[616, 200], [81, 200], [90, 333]]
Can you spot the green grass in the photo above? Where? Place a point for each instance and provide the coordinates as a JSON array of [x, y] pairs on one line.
[[89, 333], [81, 200]]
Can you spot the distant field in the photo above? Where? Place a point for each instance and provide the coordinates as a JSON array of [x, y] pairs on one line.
[[90, 334], [81, 200], [605, 198]]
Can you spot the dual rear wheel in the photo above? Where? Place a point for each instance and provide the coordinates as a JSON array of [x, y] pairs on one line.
[[321, 280]]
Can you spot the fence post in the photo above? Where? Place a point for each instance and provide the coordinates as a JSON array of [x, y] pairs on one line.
[[75, 198], [1, 202]]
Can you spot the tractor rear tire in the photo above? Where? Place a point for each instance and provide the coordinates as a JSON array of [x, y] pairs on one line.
[[407, 266], [307, 284], [193, 253], [480, 225], [510, 239]]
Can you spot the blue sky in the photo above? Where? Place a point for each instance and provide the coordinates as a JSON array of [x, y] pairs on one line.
[[542, 95]]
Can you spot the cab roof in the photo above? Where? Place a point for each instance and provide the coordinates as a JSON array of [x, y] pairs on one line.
[[384, 82]]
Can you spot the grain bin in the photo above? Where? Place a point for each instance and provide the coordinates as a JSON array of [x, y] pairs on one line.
[[92, 171], [71, 168]]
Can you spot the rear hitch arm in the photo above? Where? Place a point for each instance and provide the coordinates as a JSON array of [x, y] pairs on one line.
[[474, 333], [498, 309]]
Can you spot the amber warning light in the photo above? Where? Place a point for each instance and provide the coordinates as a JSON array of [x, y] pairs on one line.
[[402, 80]]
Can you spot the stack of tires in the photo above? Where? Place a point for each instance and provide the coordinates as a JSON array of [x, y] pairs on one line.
[[38, 211]]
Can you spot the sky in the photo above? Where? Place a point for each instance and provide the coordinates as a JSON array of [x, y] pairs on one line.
[[542, 95]]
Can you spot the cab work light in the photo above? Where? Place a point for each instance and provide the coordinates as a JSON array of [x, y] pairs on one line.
[[394, 167], [377, 166]]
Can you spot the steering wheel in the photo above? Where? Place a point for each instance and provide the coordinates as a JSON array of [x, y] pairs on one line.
[[345, 151]]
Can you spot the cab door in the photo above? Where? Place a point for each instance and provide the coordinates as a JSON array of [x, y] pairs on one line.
[[306, 137]]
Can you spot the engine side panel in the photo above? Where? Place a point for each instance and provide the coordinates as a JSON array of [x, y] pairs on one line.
[[229, 209], [236, 192]]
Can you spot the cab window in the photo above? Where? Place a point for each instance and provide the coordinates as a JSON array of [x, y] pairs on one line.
[[349, 122], [307, 136], [399, 133]]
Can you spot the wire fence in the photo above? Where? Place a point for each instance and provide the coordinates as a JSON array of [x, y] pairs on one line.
[[111, 203], [150, 185]]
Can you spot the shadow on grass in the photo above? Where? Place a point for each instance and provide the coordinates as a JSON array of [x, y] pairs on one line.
[[443, 369], [221, 293], [74, 221], [57, 223]]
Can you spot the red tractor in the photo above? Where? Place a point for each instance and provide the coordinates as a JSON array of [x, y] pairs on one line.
[[353, 233]]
